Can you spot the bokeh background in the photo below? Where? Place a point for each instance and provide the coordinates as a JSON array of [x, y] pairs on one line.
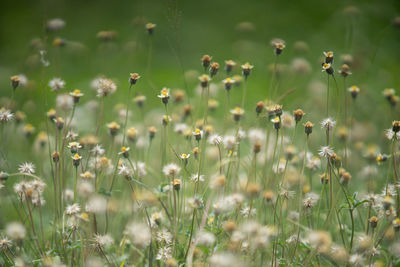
[[238, 30]]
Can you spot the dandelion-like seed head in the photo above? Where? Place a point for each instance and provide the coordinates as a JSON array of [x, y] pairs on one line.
[[105, 87], [5, 115], [328, 124], [56, 84], [26, 168], [171, 170], [325, 151], [228, 82]]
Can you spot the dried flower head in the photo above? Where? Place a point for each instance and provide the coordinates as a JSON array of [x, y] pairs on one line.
[[133, 78]]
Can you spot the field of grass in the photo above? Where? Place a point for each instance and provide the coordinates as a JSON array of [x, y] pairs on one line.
[[213, 133]]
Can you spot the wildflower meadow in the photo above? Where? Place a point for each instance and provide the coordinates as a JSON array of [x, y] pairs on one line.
[[209, 133]]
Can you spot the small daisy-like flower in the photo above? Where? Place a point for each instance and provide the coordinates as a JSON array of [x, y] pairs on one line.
[[246, 69], [237, 113], [133, 78], [327, 67], [73, 209], [197, 133], [124, 152], [113, 128], [76, 95], [56, 84], [204, 80], [228, 82], [325, 151], [27, 168], [164, 95], [74, 147], [381, 158], [171, 170], [5, 115], [328, 124], [150, 27], [76, 159], [279, 46], [277, 123], [354, 90], [328, 56], [229, 65], [184, 157]]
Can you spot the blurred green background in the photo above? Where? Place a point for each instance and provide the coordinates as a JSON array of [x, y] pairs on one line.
[[188, 29]]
